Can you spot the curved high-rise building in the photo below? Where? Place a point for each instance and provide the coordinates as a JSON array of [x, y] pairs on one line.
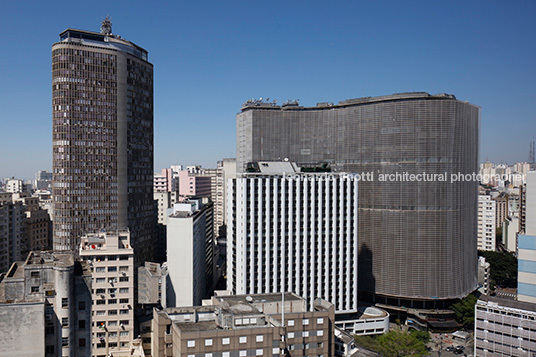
[[417, 238], [102, 108]]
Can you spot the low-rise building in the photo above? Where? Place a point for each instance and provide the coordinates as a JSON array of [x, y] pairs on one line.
[[245, 325], [369, 320]]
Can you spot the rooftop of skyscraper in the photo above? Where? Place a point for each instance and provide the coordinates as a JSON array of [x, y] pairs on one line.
[[294, 104]]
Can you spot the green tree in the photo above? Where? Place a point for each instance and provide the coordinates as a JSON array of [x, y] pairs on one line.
[[465, 310], [424, 336], [503, 268], [396, 343], [399, 343]]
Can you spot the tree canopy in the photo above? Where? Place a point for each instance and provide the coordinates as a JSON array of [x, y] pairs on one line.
[[503, 268], [397, 343]]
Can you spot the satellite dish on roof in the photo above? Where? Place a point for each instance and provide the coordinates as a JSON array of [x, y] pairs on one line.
[[249, 299]]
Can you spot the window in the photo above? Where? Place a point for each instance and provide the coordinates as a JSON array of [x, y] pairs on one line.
[[112, 323], [34, 274], [123, 312], [291, 322], [208, 354], [64, 322], [100, 291], [112, 301], [208, 342], [100, 270], [82, 342], [64, 302], [81, 324], [112, 344], [112, 291], [35, 289], [320, 320], [124, 322], [226, 354], [191, 343], [320, 333], [101, 313], [123, 290], [275, 350], [65, 341], [100, 280], [258, 352], [81, 305], [243, 353], [112, 269], [225, 341], [49, 349], [123, 257], [305, 322], [123, 301], [291, 335], [259, 338], [123, 333], [123, 279], [112, 312], [243, 339], [101, 302], [123, 268], [305, 334]]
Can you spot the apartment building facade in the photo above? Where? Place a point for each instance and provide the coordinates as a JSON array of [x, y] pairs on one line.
[[111, 258]]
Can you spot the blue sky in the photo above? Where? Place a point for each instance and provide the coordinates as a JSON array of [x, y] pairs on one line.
[[209, 57]]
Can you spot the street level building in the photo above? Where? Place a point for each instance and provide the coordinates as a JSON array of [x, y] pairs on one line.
[[102, 108], [416, 238], [111, 258], [245, 325]]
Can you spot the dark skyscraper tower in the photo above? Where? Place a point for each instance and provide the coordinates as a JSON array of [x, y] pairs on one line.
[[102, 105], [417, 242]]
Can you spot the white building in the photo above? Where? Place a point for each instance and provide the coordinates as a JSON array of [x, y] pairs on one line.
[[111, 258], [486, 223], [190, 253], [483, 275], [312, 216]]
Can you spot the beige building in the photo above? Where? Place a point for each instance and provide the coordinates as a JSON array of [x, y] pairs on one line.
[[245, 325], [150, 283], [111, 258]]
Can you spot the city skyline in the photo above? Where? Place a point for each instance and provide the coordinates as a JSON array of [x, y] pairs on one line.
[[210, 58]]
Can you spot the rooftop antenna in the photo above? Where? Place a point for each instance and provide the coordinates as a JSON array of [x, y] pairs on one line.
[[106, 26], [532, 152]]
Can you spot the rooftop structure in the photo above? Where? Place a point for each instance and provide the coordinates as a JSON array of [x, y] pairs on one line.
[[245, 325]]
